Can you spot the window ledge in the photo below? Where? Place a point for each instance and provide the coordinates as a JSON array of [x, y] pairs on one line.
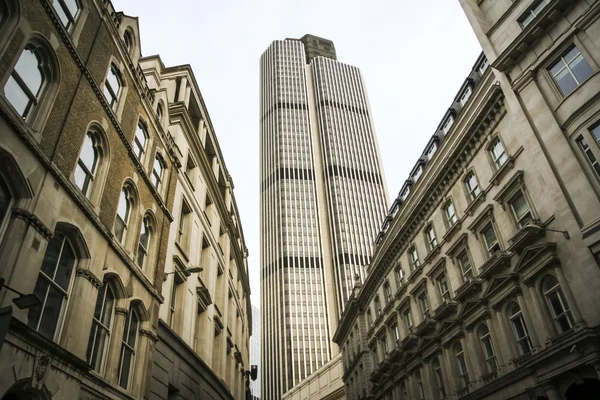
[[452, 230], [445, 309], [526, 236], [507, 166], [415, 274], [432, 254], [472, 207], [470, 286], [493, 264]]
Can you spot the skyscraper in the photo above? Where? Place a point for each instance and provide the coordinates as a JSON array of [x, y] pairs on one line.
[[323, 198]]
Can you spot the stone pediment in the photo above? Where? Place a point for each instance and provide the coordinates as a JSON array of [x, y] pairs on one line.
[[535, 258], [468, 307], [498, 282]]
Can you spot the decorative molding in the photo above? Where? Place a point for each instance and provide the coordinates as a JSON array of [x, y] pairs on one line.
[[89, 275], [121, 311], [32, 220], [150, 335]]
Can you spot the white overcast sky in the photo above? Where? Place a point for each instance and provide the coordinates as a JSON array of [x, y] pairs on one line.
[[413, 54]]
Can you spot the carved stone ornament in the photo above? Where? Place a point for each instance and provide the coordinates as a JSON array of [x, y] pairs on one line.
[[122, 311], [149, 334], [34, 221], [89, 275], [42, 361]]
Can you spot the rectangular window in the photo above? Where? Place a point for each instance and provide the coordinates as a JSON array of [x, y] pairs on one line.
[[431, 151], [465, 96], [444, 289], [405, 193], [450, 214], [396, 332], [465, 265], [532, 12], [399, 277], [414, 258], [418, 172], [388, 292], [424, 304], [484, 66], [408, 320], [585, 148], [184, 224], [431, 239], [190, 170], [448, 124], [491, 241], [570, 70], [520, 209]]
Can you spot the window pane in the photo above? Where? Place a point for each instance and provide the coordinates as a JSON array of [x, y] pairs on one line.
[[571, 54], [520, 206], [566, 82], [72, 7], [65, 266], [88, 153], [113, 81], [490, 236], [133, 327], [119, 228], [100, 344], [41, 287], [61, 13], [123, 209], [556, 68], [16, 96], [108, 308], [51, 256], [28, 69], [581, 69], [596, 133], [126, 358], [51, 312], [144, 235]]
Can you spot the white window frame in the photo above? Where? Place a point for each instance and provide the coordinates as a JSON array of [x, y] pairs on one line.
[[448, 124], [466, 95]]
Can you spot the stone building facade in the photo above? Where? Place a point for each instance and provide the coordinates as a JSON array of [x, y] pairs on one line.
[[205, 322], [485, 278], [89, 195]]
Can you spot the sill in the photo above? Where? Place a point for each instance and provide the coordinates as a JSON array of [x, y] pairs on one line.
[[526, 235], [416, 272], [432, 253], [452, 230], [189, 181]]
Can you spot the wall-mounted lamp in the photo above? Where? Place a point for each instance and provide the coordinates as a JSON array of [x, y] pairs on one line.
[[24, 301], [186, 271]]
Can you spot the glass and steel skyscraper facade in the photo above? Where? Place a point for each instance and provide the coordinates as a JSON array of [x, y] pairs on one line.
[[323, 199]]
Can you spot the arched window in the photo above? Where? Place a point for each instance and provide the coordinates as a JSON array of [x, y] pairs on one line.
[[33, 82], [439, 376], [128, 40], [144, 242], [140, 140], [499, 156], [6, 201], [159, 113], [52, 286], [559, 309], [101, 328], [24, 85], [519, 328], [127, 356], [472, 185], [462, 365], [87, 165], [112, 86], [488, 348], [123, 214], [157, 172], [67, 11]]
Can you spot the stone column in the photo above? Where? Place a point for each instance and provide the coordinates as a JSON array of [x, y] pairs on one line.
[[147, 339], [496, 342], [182, 89], [450, 369], [116, 340], [82, 302], [546, 331], [552, 392], [470, 354], [509, 338], [526, 312], [566, 290]]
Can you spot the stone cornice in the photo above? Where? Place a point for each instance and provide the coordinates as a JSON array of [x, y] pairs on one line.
[[32, 220], [465, 147], [89, 275]]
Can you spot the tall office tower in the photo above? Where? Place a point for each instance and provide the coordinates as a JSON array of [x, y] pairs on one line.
[[255, 352], [323, 198]]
